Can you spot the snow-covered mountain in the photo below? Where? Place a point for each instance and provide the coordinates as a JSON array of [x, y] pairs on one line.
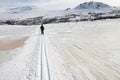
[[22, 9], [25, 12], [92, 5]]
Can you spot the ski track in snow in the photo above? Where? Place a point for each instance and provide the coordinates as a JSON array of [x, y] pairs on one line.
[[67, 51]]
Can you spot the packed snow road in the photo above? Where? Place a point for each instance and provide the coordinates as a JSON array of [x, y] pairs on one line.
[[67, 51], [89, 50]]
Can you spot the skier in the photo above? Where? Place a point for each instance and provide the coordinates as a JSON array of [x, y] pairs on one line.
[[42, 29]]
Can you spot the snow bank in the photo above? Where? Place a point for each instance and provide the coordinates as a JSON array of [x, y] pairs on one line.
[[16, 69]]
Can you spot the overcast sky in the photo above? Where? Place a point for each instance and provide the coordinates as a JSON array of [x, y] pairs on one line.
[[53, 4]]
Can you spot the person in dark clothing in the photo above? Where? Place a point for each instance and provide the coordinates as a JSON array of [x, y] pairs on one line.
[[42, 29]]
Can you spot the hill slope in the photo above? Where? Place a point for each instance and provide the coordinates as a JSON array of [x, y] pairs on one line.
[[22, 9]]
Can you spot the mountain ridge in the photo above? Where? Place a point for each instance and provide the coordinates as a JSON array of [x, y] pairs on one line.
[[92, 5]]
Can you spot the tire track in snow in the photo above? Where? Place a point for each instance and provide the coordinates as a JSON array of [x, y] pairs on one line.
[[45, 72], [47, 59], [41, 60]]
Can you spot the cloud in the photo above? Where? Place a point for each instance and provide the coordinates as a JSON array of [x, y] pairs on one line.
[[57, 4], [8, 3], [52, 4], [63, 4], [17, 0]]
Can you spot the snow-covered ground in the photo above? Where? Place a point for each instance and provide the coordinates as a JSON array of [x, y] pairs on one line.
[[89, 50], [67, 51]]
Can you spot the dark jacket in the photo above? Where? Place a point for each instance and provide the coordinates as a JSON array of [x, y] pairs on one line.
[[42, 27]]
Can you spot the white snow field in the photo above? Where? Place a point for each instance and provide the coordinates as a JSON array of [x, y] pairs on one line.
[[67, 51]]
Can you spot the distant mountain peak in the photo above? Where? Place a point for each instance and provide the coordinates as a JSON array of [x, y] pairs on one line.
[[22, 9], [92, 5], [67, 9]]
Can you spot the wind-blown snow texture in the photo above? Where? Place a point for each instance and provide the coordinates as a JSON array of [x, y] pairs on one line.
[[67, 51]]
